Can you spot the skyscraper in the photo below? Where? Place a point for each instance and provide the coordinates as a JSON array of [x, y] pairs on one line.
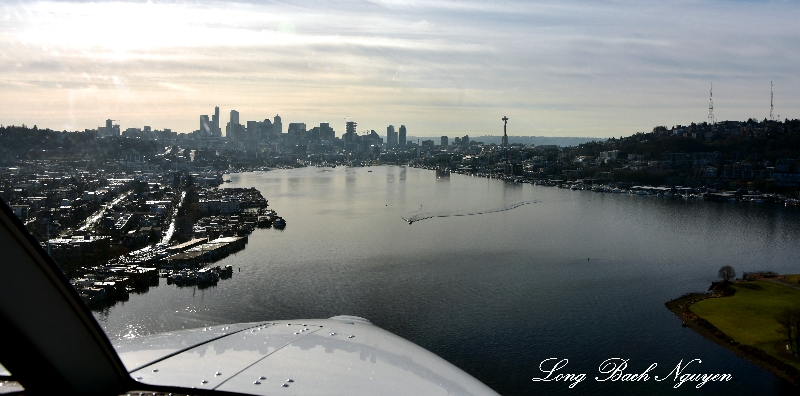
[[264, 130], [211, 127], [326, 132], [251, 130], [350, 135], [402, 139], [444, 141], [277, 127], [391, 136], [215, 123], [231, 132], [296, 131], [205, 124]]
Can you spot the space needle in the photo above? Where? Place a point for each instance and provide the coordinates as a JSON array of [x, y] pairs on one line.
[[505, 134]]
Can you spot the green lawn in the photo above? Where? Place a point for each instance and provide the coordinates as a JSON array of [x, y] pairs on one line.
[[749, 316], [792, 278]]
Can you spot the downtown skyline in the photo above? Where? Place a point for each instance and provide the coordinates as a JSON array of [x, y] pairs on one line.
[[595, 69]]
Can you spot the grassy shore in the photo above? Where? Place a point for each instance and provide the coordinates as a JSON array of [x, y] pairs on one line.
[[749, 315], [745, 322]]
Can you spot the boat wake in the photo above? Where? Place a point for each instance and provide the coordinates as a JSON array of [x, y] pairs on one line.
[[425, 216]]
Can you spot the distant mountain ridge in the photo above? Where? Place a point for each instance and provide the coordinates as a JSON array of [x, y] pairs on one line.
[[561, 141]]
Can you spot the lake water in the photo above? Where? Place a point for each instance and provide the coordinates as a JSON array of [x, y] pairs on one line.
[[568, 274]]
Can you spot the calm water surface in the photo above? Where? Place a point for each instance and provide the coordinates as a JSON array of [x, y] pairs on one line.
[[570, 274]]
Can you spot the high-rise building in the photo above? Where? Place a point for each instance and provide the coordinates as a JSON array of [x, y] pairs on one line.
[[375, 139], [350, 136], [326, 132], [391, 136], [110, 129], [251, 131], [256, 131], [296, 131], [264, 130], [402, 137], [211, 127], [215, 122], [444, 141], [233, 128], [205, 124], [277, 126]]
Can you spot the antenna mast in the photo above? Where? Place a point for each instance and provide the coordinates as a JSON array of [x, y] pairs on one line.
[[770, 102], [711, 105]]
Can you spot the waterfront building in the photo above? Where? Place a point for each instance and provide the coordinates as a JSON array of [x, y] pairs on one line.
[[223, 206]]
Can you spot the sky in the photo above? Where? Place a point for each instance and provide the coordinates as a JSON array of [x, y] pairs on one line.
[[555, 68]]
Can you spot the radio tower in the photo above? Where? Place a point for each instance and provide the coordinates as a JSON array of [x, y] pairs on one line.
[[771, 118], [711, 105]]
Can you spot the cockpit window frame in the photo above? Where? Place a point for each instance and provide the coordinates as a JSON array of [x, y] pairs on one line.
[[52, 342]]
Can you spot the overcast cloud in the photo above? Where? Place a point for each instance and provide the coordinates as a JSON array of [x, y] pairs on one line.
[[555, 68]]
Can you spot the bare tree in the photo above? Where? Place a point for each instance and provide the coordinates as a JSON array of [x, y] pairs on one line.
[[789, 321], [786, 321], [726, 272]]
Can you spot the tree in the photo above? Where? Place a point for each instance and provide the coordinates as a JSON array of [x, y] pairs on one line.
[[726, 272], [183, 228], [786, 329], [789, 320]]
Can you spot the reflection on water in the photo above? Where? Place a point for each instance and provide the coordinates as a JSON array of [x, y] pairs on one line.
[[577, 275]]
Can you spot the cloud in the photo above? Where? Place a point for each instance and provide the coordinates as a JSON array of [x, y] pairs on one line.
[[178, 87], [445, 65]]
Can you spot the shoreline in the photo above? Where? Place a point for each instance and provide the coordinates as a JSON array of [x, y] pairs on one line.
[[681, 308]]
